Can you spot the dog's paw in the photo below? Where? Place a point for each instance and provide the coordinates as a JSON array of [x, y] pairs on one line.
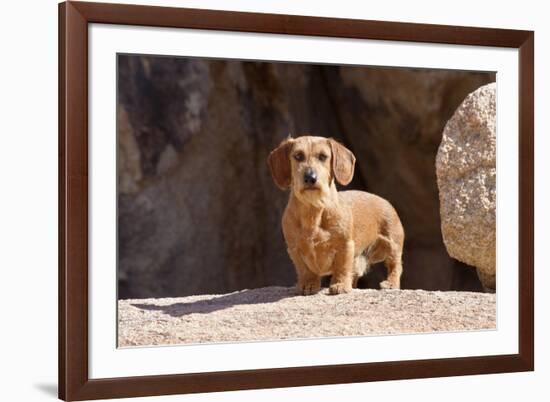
[[388, 285], [339, 288], [309, 289]]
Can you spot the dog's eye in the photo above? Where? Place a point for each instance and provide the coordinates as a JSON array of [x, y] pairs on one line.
[[299, 156], [322, 157]]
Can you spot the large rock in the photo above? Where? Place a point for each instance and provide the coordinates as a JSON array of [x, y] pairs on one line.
[[197, 209], [466, 176], [277, 313]]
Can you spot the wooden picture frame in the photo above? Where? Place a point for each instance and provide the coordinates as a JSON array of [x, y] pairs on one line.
[[74, 381]]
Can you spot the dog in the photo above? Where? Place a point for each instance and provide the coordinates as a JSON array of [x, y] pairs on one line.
[[328, 232]]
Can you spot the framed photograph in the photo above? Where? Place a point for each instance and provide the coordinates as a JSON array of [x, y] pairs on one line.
[[259, 200]]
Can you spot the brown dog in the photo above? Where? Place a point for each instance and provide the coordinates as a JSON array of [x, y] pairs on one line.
[[329, 232]]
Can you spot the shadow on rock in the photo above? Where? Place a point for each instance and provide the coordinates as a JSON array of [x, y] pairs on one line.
[[205, 306]]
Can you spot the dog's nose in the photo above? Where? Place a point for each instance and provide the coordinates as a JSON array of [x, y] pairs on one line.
[[310, 177]]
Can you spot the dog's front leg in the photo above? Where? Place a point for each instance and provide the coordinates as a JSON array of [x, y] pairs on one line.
[[309, 283], [342, 269]]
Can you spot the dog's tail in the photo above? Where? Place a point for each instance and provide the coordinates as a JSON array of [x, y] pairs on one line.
[[361, 265]]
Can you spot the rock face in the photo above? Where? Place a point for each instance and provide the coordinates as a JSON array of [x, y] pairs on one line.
[[197, 209], [466, 176], [277, 313]]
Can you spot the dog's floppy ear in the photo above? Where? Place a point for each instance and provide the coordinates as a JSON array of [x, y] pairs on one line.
[[343, 162], [279, 164]]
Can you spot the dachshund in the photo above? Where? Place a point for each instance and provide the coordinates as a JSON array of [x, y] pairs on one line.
[[330, 232]]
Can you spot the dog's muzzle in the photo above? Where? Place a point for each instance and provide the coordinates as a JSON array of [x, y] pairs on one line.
[[310, 177]]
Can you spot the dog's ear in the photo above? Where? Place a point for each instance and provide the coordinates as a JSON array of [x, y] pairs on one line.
[[343, 162], [279, 164]]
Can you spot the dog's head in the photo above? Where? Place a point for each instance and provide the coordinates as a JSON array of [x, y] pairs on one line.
[[309, 165]]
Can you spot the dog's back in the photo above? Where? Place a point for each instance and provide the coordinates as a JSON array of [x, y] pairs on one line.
[[372, 216]]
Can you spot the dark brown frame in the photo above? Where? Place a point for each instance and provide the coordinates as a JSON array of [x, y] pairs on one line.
[[74, 383]]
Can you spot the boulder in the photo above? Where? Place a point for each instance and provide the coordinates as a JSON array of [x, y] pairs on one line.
[[466, 176]]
